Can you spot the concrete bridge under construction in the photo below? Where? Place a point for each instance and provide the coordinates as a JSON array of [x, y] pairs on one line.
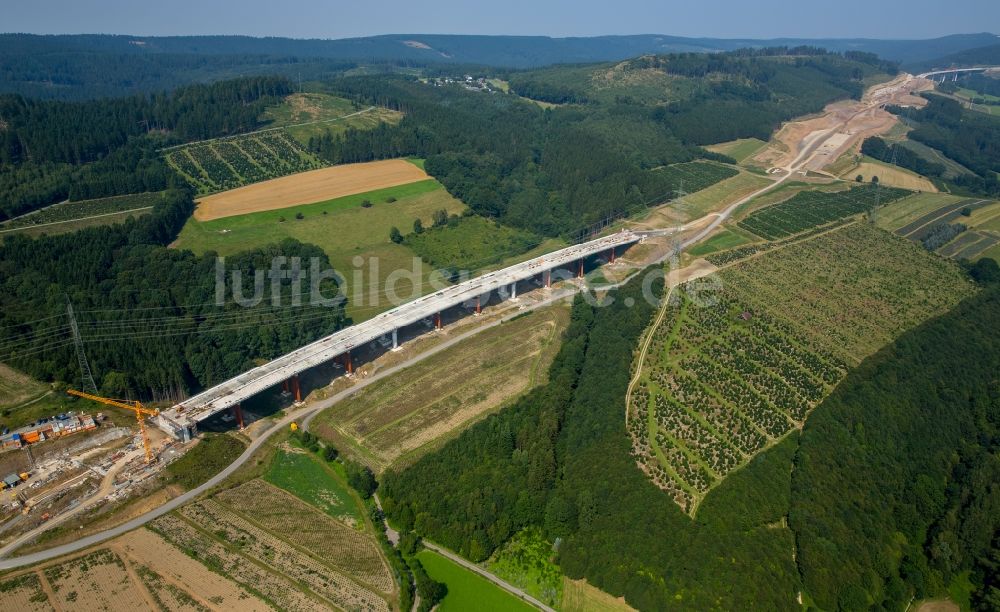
[[182, 419], [943, 74]]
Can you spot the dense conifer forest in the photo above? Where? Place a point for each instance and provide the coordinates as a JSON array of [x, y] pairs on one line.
[[147, 314], [50, 151]]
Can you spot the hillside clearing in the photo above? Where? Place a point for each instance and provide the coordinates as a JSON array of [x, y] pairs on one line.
[[354, 237], [902, 212], [305, 115], [70, 216], [740, 150], [890, 175], [579, 596], [301, 474], [403, 418], [17, 387], [719, 195]]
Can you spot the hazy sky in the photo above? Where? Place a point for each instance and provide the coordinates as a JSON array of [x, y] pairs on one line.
[[339, 19]]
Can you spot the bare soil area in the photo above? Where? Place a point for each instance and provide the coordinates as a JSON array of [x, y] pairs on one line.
[[844, 125]]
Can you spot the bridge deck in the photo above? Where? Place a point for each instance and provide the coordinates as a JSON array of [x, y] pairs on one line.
[[233, 391]]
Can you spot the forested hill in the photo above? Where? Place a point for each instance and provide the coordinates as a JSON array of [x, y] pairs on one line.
[[147, 314], [971, 138], [896, 481], [988, 55], [43, 131], [90, 66], [53, 150]]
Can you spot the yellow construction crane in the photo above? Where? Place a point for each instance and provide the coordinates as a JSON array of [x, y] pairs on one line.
[[141, 412]]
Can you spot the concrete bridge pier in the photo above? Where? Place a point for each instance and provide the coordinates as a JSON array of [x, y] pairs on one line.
[[479, 305], [238, 413], [548, 278], [513, 291], [297, 388], [437, 320], [579, 270], [395, 339]]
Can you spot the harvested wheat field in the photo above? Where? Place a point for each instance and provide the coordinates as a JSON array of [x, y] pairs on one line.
[[309, 187], [96, 581]]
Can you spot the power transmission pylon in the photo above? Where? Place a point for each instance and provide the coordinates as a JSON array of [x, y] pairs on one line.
[[88, 378], [680, 194]]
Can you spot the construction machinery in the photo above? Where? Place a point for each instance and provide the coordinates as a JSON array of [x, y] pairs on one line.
[[141, 412]]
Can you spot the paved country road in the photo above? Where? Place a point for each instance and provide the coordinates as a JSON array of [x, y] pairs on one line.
[[513, 590]]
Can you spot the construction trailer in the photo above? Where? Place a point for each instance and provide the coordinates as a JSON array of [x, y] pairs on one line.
[[53, 429]]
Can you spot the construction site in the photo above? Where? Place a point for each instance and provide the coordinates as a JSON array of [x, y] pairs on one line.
[[75, 463]]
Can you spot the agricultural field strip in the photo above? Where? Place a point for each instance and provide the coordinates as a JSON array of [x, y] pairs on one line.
[[84, 209], [343, 548], [906, 210], [732, 256], [78, 219], [252, 573], [382, 429], [663, 472], [978, 247], [24, 592], [170, 565], [939, 215], [701, 174], [140, 578], [724, 388], [826, 305], [281, 555], [309, 185], [441, 419], [165, 594], [963, 240], [808, 209], [992, 216], [269, 129], [452, 393]]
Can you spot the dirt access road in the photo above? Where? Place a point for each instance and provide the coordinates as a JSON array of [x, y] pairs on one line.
[[107, 485], [813, 143]]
